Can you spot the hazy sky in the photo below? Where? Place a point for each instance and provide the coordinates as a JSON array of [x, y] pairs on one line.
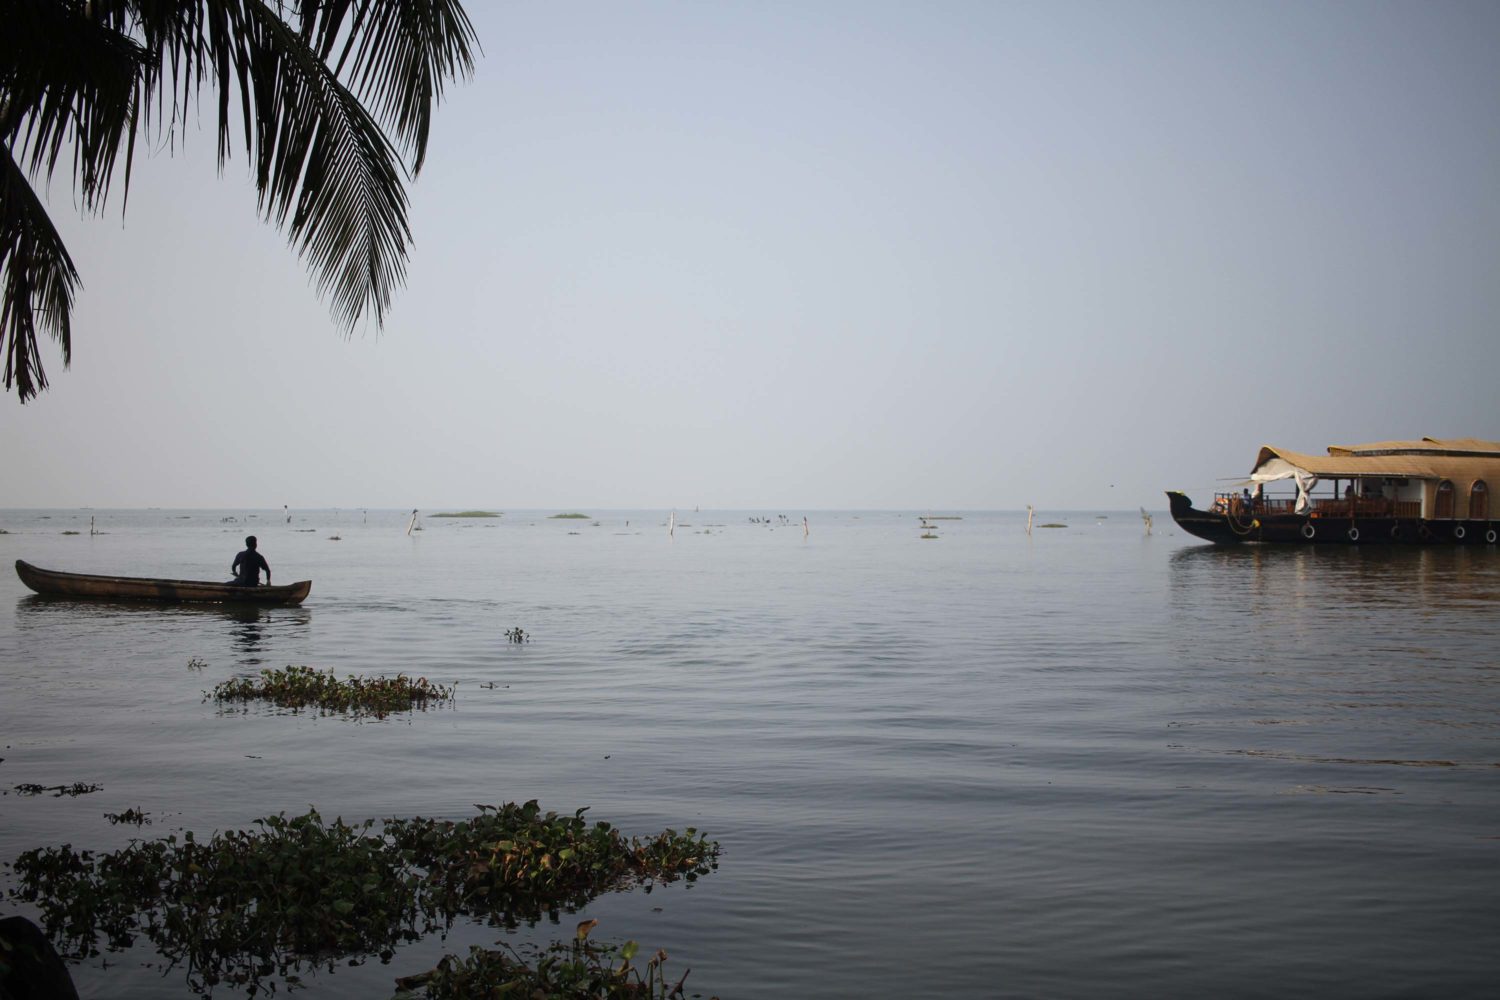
[[815, 254]]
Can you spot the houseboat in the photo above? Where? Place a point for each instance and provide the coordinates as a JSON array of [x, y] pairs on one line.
[[1409, 492]]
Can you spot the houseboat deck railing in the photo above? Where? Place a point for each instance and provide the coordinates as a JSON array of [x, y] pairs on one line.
[[1238, 506]]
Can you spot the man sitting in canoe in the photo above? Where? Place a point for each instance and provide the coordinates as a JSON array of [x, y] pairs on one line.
[[247, 566]]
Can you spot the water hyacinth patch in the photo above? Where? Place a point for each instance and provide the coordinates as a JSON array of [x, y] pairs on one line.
[[579, 970], [246, 908], [514, 862], [303, 687], [236, 908]]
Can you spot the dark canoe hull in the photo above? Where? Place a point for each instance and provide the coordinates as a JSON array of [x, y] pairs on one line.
[[131, 588], [1299, 529]]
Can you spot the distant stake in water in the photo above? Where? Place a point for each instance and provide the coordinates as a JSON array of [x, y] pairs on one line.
[[1030, 513], [412, 526]]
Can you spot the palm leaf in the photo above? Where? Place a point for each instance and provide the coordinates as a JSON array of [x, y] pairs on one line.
[[37, 282], [66, 78], [396, 55], [92, 73], [325, 170]]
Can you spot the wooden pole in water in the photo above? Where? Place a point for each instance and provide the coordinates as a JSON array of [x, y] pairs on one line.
[[413, 523], [1030, 513]]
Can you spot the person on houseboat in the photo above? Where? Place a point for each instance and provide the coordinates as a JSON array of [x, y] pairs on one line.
[[248, 564]]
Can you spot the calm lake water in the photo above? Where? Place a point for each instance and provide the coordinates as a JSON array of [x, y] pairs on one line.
[[1089, 762]]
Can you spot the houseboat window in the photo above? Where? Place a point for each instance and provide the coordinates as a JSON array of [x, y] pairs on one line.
[[1444, 500], [1479, 501]]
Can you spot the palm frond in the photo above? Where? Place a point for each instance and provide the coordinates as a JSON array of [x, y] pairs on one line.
[[67, 78], [324, 169], [94, 73], [325, 172], [396, 55], [37, 282]]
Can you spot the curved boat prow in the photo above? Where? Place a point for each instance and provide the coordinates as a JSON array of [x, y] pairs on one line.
[[1204, 524], [1180, 502]]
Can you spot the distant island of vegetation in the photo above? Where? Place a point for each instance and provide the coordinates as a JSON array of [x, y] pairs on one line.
[[574, 517], [469, 513]]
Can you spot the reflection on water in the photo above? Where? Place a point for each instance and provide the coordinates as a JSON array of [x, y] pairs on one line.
[[252, 632], [1378, 656], [43, 607], [1368, 575]]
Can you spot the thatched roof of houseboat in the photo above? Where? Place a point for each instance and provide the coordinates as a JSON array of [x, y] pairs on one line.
[[1461, 460], [1426, 446]]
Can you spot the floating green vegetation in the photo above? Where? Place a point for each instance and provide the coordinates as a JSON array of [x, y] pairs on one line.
[[237, 909], [570, 517], [576, 969], [517, 635], [249, 906], [70, 532], [197, 664], [304, 687], [1054, 524], [469, 513], [514, 862], [927, 534], [58, 791]]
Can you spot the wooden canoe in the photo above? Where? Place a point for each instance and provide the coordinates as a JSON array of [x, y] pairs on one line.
[[133, 588]]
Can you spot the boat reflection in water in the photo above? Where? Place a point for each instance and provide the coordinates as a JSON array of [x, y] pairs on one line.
[[251, 630], [1346, 657], [1430, 581]]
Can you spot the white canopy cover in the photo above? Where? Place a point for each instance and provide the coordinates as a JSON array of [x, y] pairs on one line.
[[1274, 469]]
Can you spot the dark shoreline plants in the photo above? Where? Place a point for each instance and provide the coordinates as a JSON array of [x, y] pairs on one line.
[[248, 907]]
